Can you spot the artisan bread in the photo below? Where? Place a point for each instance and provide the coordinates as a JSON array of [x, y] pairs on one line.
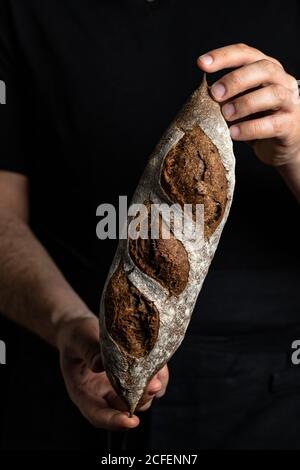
[[153, 284]]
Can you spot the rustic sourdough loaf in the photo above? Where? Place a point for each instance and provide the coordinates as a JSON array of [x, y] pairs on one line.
[[153, 284]]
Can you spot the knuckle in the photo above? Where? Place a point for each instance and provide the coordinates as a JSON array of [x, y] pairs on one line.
[[242, 46], [254, 129], [278, 125], [246, 48], [293, 84], [274, 61], [268, 66], [145, 407], [279, 93], [161, 394], [278, 63], [164, 373], [246, 103], [236, 80]]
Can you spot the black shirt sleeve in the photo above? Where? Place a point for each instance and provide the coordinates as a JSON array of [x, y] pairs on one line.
[[12, 113]]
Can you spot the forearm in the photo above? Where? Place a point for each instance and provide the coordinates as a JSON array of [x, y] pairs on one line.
[[33, 292], [291, 174]]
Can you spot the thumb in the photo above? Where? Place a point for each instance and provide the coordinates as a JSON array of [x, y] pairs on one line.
[[91, 354], [88, 344]]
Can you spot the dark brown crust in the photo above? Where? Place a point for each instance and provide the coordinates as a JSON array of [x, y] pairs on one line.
[[131, 319], [193, 173], [166, 261]]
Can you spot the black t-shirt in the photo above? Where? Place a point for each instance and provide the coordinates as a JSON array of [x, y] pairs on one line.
[[91, 86]]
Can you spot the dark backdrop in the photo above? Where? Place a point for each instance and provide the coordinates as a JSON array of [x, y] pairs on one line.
[[105, 81]]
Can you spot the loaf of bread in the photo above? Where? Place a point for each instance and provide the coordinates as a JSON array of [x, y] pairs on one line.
[[153, 284]]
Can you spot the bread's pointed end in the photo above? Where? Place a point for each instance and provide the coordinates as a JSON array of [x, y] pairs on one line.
[[130, 393], [132, 404], [131, 400], [204, 87], [131, 412]]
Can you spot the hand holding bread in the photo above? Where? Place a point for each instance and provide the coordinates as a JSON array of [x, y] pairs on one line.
[[260, 101]]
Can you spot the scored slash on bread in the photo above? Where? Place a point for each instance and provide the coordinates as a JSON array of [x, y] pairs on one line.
[[153, 285]]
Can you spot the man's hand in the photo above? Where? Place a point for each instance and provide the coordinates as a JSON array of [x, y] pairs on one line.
[[261, 101], [87, 384]]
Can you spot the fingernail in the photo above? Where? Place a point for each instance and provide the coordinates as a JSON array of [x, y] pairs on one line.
[[206, 59], [235, 131], [228, 110], [218, 90]]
